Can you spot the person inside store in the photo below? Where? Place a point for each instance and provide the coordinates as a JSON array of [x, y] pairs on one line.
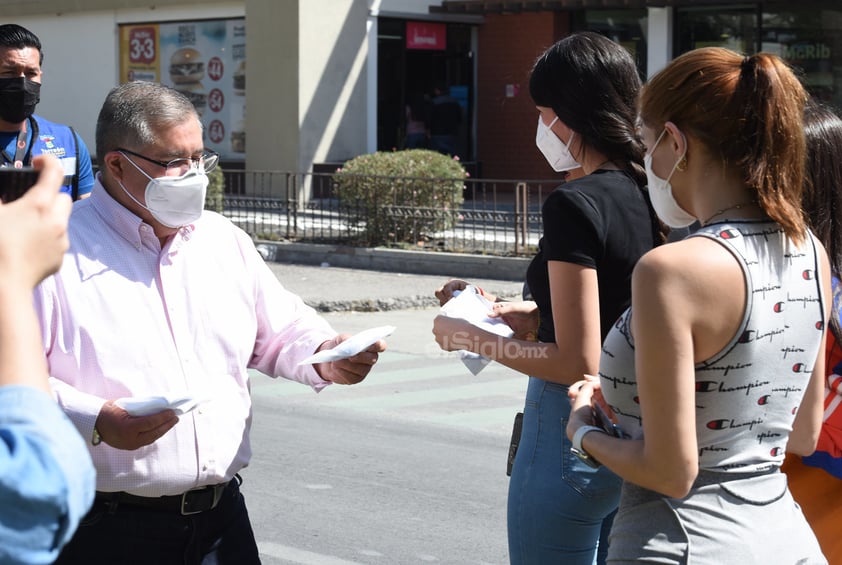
[[596, 227], [816, 480], [417, 119], [150, 328], [47, 479], [24, 135], [717, 369], [445, 120]]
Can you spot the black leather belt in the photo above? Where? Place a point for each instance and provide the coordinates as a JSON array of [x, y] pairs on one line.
[[191, 502]]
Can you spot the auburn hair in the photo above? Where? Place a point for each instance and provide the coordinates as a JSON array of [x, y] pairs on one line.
[[747, 111]]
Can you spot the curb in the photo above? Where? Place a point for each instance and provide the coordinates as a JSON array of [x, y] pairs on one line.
[[383, 305], [461, 265]]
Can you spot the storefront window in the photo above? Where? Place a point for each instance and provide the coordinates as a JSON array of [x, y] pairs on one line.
[[810, 41], [626, 27], [206, 61], [732, 28], [414, 58]]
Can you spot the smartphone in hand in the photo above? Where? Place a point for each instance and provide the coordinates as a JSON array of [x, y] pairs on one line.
[[14, 182], [604, 418]]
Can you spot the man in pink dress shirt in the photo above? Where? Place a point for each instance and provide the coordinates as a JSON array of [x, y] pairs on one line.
[[158, 297]]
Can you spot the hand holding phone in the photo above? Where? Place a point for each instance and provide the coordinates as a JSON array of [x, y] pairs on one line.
[[604, 417], [14, 182], [33, 229]]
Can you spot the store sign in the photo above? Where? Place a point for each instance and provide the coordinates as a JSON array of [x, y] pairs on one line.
[[805, 51], [426, 35], [205, 61]]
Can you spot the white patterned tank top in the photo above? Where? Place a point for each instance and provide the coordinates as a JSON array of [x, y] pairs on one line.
[[748, 393]]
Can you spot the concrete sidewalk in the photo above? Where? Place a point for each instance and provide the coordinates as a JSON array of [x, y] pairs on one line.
[[338, 289], [468, 266]]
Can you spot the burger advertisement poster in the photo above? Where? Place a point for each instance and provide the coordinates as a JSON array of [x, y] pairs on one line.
[[206, 61]]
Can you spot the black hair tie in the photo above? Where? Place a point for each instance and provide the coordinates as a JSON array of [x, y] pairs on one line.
[[748, 63]]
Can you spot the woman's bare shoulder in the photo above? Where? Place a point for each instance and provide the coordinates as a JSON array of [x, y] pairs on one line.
[[691, 262]]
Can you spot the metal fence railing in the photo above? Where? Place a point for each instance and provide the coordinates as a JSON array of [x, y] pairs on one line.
[[497, 217]]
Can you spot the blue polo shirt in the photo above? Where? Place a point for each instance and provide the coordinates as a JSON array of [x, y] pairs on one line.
[[58, 140]]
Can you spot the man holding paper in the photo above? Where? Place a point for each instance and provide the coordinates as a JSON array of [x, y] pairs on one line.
[[161, 308]]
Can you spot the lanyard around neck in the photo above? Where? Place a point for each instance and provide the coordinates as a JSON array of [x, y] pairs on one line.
[[23, 156]]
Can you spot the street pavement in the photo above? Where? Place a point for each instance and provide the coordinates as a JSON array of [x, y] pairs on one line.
[[333, 289], [406, 467], [414, 378]]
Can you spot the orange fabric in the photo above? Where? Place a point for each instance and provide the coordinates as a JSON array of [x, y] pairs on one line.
[[820, 496], [818, 492], [830, 440]]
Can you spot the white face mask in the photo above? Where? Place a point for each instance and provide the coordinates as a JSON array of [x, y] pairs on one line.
[[555, 152], [174, 201], [660, 193]]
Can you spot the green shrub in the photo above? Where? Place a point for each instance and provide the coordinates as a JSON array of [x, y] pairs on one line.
[[400, 196], [216, 190]]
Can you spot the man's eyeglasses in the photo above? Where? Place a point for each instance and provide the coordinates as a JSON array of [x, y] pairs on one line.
[[207, 161]]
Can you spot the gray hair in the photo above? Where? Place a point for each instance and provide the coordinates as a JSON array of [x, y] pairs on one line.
[[133, 114]]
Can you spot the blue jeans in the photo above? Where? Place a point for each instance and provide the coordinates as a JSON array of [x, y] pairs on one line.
[[415, 141], [445, 144], [559, 510], [133, 535]]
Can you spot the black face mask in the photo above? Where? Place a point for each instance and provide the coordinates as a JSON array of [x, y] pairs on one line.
[[18, 98]]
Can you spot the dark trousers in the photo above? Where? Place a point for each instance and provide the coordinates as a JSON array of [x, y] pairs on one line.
[[445, 144], [129, 534]]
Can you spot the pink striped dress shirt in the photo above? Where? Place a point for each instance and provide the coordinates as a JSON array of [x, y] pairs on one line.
[[127, 318]]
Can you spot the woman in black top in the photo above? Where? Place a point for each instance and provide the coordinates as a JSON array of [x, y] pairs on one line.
[[595, 229]]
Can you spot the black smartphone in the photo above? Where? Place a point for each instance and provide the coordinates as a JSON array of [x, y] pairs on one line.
[[517, 428], [14, 182], [604, 421]]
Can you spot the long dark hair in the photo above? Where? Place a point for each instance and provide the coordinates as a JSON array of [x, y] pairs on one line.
[[822, 201], [592, 85]]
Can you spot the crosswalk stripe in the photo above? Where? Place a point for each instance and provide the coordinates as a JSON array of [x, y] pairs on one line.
[[300, 556], [394, 369], [439, 391], [366, 400]]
